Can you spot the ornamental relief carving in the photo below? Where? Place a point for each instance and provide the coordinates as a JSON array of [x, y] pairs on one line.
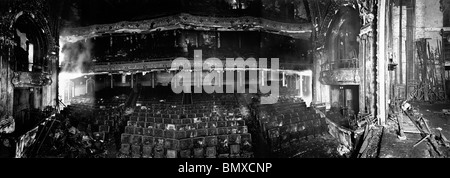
[[30, 79], [366, 9]]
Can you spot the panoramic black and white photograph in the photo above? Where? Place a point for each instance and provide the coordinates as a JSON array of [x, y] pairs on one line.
[[224, 79]]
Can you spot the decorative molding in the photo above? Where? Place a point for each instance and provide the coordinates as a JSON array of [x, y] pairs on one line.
[[7, 124], [366, 9], [340, 77], [366, 30], [188, 21], [165, 65], [322, 12], [7, 41], [131, 66], [39, 12], [31, 79]]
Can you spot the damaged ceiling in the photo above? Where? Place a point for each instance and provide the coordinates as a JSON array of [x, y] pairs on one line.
[[81, 13], [85, 19]]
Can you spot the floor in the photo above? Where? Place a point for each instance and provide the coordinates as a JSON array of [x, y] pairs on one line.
[[435, 117], [393, 147], [323, 146]]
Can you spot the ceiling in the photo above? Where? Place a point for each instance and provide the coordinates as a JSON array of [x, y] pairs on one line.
[[80, 13]]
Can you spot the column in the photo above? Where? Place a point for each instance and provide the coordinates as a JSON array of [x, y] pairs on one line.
[[112, 80], [349, 99], [301, 86], [132, 82], [381, 75], [124, 78], [152, 78]]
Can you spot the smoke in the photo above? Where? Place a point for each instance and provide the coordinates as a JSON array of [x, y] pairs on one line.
[[75, 59]]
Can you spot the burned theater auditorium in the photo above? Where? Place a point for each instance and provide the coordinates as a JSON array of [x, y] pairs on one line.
[[224, 79]]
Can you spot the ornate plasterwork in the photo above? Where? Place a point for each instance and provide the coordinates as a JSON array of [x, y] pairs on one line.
[[38, 10], [323, 11], [366, 11], [340, 77], [188, 21], [31, 79], [46, 21], [164, 64]]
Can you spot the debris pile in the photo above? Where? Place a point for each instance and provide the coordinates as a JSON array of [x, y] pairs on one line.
[[436, 143]]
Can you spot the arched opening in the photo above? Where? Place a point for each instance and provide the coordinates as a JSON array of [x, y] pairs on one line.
[[342, 36], [30, 50], [90, 86], [343, 48], [31, 45]]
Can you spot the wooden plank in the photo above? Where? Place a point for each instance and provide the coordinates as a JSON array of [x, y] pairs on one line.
[[435, 145], [421, 140], [412, 131], [424, 69], [407, 125], [442, 60], [400, 128], [366, 142], [426, 125]]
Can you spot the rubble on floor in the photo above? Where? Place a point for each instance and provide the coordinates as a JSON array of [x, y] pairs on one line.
[[427, 141], [446, 111], [371, 142], [323, 146], [291, 129]]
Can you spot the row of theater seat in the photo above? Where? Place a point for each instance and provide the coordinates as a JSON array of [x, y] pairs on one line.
[[172, 112], [102, 121], [284, 122], [197, 105], [180, 134], [209, 128], [233, 145], [174, 120]]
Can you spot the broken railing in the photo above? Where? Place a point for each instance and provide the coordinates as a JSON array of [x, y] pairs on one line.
[[340, 72], [438, 141], [343, 135], [340, 64], [362, 130], [284, 123]]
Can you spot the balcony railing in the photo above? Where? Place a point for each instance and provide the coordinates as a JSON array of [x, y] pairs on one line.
[[340, 72], [341, 64]]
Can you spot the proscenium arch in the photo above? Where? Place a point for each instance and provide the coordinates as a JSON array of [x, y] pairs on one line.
[[346, 19]]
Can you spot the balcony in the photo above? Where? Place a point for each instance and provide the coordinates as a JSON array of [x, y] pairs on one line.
[[31, 79], [340, 72]]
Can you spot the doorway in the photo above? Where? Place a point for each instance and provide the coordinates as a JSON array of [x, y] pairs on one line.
[[345, 98]]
